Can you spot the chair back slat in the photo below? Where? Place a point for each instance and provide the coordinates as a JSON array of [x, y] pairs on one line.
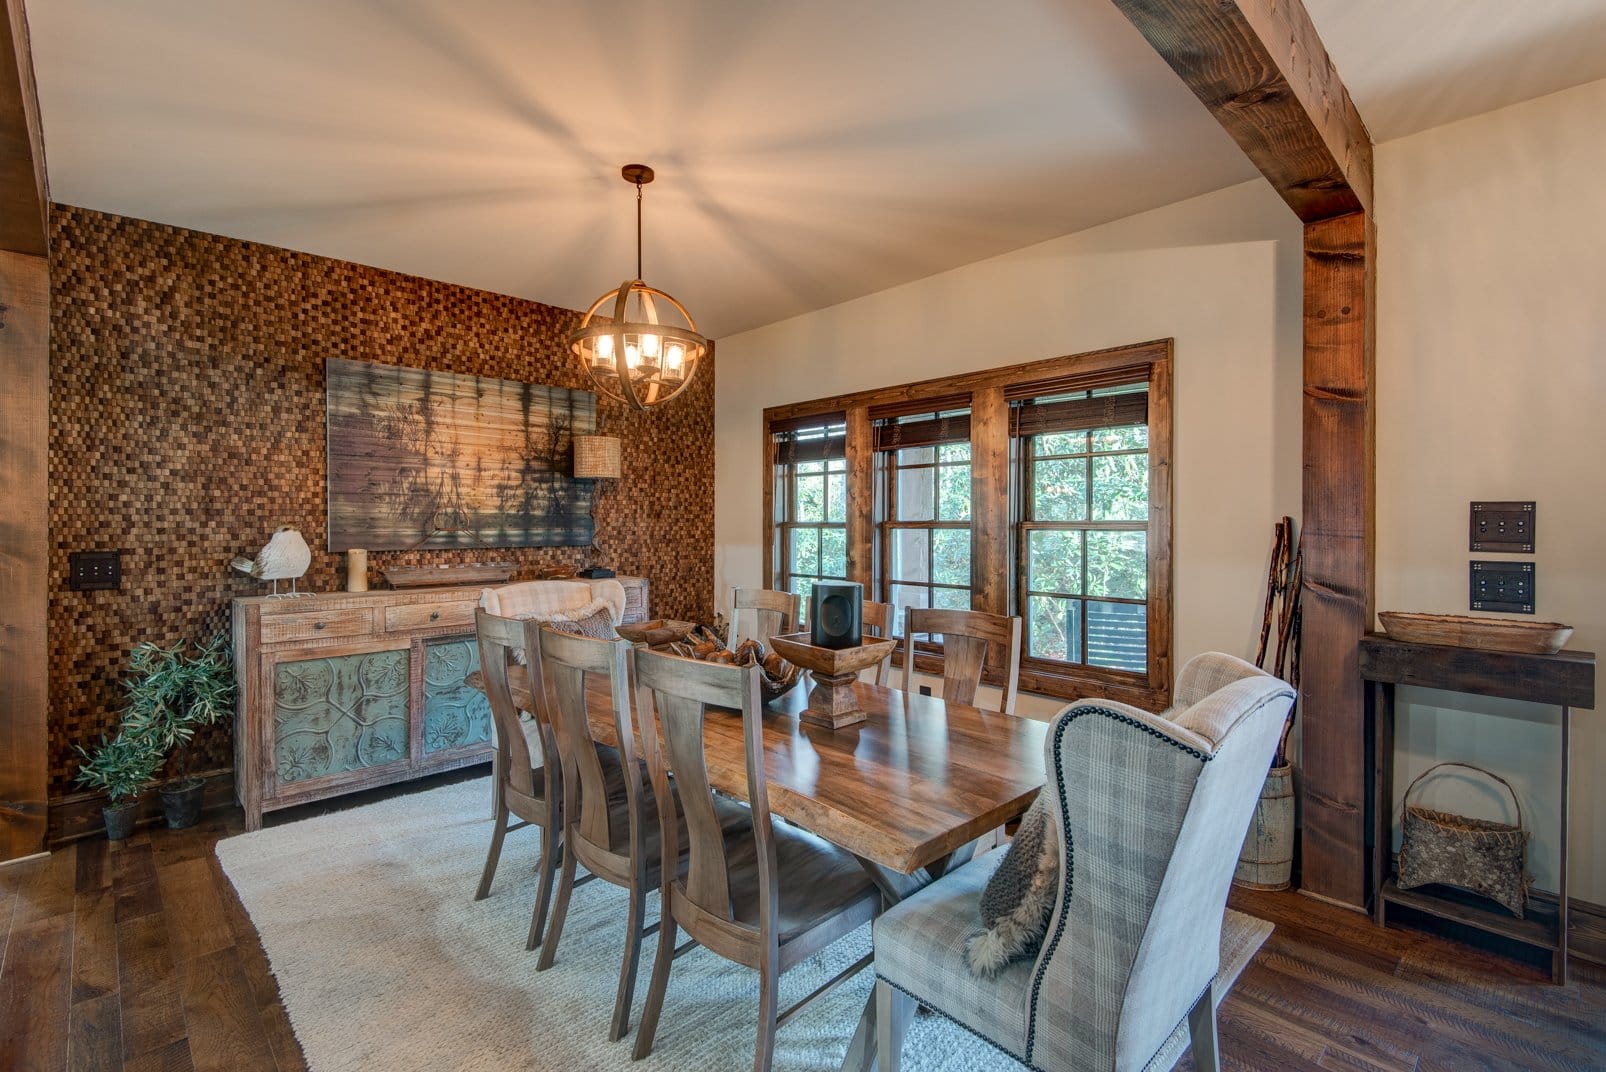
[[565, 662], [967, 638], [498, 638], [878, 616], [760, 613], [677, 694]]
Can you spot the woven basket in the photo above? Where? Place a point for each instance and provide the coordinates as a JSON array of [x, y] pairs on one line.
[[1481, 855]]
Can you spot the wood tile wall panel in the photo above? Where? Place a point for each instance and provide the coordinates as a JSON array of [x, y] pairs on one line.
[[187, 422]]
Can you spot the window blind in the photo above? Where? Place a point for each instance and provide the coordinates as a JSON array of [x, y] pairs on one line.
[[816, 438], [1044, 415]]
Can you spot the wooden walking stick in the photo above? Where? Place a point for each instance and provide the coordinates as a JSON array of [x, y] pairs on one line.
[[1276, 578]]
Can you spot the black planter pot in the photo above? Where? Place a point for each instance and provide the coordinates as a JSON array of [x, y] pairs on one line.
[[181, 803], [120, 819]]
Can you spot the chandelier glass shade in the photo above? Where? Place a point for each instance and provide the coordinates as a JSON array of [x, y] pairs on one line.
[[637, 343]]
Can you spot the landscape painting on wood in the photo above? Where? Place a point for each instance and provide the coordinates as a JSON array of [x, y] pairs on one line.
[[434, 459]]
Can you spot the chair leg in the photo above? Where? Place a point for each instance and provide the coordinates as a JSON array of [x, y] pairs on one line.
[[627, 968], [660, 983], [560, 912], [494, 856], [1202, 1032], [893, 1009], [769, 984]]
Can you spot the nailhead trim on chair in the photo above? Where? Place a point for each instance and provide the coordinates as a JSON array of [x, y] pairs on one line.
[[1070, 848]]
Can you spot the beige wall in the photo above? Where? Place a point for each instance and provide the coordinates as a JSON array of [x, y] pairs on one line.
[[1219, 273], [1491, 381], [1491, 384]]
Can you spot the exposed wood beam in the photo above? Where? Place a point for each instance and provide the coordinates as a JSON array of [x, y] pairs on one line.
[[1261, 69], [24, 191], [24, 447]]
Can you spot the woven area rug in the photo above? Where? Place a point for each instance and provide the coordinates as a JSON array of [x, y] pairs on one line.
[[385, 961]]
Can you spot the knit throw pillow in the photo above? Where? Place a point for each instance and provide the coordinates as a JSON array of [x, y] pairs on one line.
[[595, 619], [1019, 898], [598, 624]]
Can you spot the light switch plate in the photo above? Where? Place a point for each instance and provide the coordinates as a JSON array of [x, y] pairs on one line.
[[90, 571], [1502, 528], [1503, 586]]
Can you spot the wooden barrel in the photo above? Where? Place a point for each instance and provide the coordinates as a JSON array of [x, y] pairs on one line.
[[1267, 858]]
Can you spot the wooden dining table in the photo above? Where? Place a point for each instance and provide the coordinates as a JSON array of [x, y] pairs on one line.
[[908, 791]]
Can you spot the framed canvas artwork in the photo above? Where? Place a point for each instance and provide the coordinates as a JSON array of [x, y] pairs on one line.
[[421, 459]]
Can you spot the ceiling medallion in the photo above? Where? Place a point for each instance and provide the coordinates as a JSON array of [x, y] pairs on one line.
[[630, 352]]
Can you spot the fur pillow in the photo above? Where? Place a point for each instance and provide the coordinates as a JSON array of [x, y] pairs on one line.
[[1019, 898]]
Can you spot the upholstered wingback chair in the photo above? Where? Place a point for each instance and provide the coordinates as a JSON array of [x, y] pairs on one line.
[[1151, 811]]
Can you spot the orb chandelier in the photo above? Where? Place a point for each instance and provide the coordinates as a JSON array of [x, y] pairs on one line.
[[638, 344]]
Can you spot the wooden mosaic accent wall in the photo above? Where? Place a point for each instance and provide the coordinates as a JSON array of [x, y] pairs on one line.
[[187, 423]]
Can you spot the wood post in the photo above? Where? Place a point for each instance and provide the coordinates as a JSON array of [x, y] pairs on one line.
[[1339, 553], [1261, 70], [24, 447]]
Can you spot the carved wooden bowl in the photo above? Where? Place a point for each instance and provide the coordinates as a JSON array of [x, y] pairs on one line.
[[656, 632], [1485, 634]]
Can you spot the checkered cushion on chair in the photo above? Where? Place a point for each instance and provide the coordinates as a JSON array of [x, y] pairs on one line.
[[920, 949]]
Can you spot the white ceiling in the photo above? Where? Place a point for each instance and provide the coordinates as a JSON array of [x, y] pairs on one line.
[[807, 153]]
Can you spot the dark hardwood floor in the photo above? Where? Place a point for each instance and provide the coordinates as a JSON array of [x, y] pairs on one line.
[[138, 956]]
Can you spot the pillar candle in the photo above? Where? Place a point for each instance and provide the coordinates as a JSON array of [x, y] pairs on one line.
[[356, 570]]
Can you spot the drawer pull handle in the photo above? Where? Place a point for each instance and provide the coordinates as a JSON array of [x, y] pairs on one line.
[[434, 615], [319, 625]]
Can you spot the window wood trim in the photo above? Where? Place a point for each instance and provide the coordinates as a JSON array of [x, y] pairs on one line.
[[992, 533]]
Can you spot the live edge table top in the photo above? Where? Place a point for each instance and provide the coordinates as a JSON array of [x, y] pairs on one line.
[[918, 779]]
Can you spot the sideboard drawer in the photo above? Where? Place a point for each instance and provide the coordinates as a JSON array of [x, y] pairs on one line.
[[429, 616], [315, 625]]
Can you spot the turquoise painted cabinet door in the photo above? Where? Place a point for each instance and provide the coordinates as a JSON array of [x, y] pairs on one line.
[[455, 715], [343, 713]]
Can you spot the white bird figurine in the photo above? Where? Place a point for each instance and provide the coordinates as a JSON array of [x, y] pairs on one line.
[[285, 558]]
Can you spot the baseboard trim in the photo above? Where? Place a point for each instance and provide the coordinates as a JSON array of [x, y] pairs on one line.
[[75, 817]]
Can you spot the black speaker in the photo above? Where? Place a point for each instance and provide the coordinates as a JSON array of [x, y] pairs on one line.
[[836, 614]]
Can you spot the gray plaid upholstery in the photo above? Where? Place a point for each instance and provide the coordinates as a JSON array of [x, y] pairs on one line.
[[920, 949], [1152, 813]]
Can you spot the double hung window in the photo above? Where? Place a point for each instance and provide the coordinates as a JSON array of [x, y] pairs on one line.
[[924, 461], [811, 502], [1082, 569]]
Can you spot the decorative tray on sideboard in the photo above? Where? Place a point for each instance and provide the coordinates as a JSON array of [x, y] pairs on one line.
[[433, 576]]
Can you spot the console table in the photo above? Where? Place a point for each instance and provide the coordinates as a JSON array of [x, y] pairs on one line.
[[1566, 679], [349, 690]]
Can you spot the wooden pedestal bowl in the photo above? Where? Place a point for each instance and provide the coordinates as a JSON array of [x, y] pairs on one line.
[[833, 702]]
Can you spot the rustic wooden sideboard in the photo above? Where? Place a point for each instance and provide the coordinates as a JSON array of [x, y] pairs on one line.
[[350, 690], [1565, 679]]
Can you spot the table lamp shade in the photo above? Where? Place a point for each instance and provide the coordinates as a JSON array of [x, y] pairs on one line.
[[596, 457]]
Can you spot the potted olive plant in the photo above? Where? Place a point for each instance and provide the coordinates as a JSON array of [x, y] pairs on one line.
[[120, 767], [172, 693]]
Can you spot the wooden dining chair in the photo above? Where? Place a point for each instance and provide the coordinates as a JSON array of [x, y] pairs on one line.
[[611, 819], [760, 613], [542, 600], [966, 637], [530, 777], [878, 616], [764, 895]]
